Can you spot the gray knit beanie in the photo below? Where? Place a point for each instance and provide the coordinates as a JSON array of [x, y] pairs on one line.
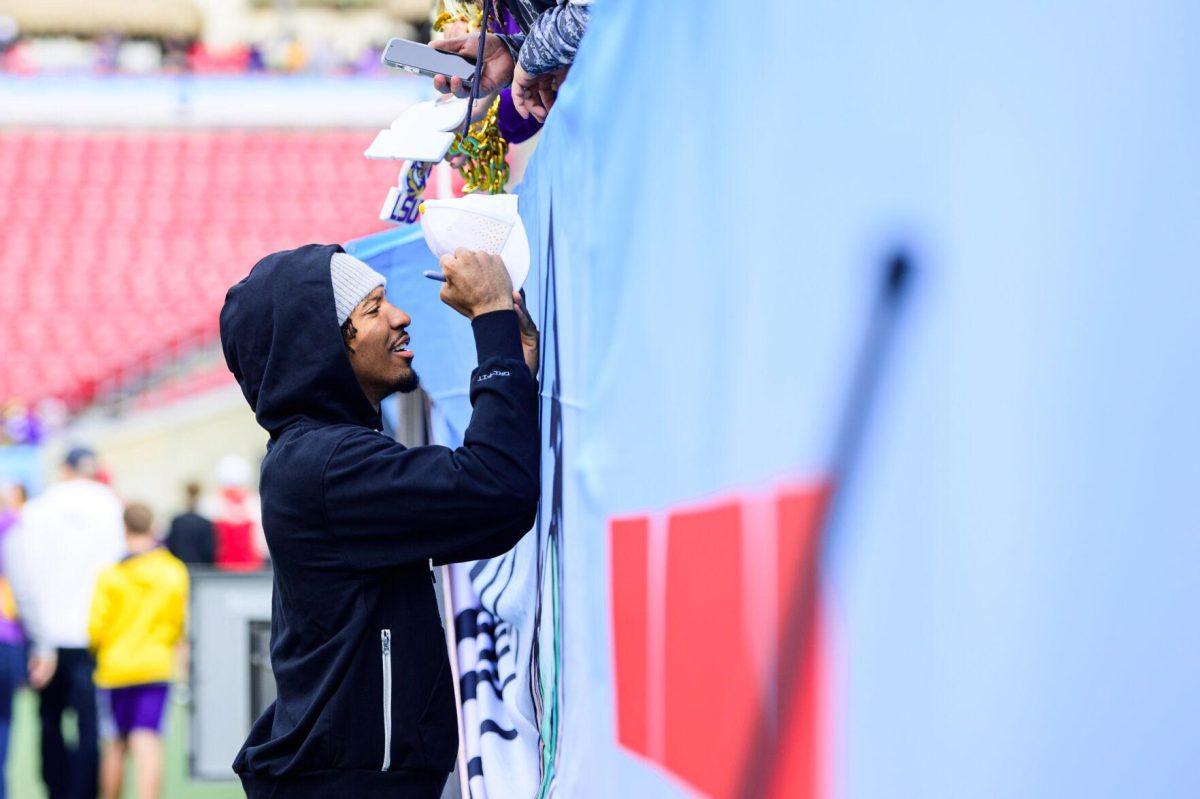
[[352, 282]]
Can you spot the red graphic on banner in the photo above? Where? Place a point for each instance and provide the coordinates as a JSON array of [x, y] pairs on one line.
[[700, 597]]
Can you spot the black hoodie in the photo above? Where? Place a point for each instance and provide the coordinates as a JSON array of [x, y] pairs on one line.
[[365, 698]]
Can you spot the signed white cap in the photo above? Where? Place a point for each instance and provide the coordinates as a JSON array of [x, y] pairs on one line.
[[487, 222]]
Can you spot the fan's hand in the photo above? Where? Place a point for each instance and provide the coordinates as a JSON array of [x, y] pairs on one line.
[[530, 337], [534, 95], [497, 64]]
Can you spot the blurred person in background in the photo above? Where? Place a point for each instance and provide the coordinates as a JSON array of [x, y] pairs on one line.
[[12, 638], [534, 62], [9, 31], [135, 625], [353, 517], [64, 539], [190, 536], [21, 425], [236, 514]]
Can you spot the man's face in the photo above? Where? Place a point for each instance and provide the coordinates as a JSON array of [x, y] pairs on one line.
[[377, 345]]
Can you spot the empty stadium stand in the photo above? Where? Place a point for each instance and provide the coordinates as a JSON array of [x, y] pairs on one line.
[[116, 248]]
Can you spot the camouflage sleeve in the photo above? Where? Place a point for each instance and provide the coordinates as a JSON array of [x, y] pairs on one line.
[[513, 42], [554, 37]]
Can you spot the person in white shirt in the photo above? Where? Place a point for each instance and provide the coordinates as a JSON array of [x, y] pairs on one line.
[[64, 539]]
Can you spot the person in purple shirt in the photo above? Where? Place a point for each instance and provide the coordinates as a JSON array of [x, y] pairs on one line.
[[534, 61], [514, 127], [12, 639]]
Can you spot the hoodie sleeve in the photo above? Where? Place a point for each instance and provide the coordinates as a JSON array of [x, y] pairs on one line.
[[389, 505]]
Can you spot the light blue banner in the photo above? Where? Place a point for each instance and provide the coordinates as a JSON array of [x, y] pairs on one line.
[[1011, 585]]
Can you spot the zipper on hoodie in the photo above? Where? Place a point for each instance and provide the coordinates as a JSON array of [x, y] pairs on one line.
[[385, 643]]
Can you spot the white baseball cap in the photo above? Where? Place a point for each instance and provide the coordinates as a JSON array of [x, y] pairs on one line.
[[487, 222]]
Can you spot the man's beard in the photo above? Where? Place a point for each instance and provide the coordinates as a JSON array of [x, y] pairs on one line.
[[408, 383]]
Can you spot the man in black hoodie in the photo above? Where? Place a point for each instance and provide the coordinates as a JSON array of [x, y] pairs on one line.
[[353, 519]]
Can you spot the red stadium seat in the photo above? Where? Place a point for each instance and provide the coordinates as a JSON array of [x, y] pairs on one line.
[[137, 235]]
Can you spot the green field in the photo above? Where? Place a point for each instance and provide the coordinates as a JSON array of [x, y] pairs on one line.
[[24, 781]]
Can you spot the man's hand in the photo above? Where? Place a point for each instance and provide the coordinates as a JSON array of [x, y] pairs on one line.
[[476, 283], [535, 94], [529, 335], [41, 670], [497, 64]]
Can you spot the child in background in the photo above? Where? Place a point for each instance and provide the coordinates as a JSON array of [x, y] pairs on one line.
[[135, 624]]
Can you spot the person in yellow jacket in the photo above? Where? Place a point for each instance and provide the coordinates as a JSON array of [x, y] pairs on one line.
[[135, 624]]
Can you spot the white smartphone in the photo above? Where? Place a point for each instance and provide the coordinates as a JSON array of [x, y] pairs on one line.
[[421, 59]]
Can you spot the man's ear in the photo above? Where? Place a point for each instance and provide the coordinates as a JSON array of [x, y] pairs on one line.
[[349, 332]]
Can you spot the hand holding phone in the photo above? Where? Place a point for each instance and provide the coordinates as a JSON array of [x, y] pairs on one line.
[[498, 65], [421, 59]]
